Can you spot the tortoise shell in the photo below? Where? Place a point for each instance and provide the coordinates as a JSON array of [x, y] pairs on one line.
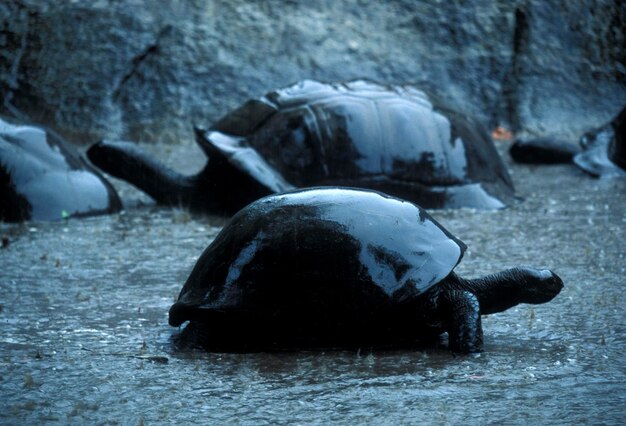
[[327, 252], [43, 178], [362, 134]]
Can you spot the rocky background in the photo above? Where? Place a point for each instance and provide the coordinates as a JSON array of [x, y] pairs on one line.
[[146, 70]]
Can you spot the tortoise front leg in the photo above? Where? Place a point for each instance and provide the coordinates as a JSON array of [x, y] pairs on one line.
[[461, 312]]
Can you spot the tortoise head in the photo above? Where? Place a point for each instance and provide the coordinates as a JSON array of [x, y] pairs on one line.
[[541, 285]]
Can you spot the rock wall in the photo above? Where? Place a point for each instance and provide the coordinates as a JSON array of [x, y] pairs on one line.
[[148, 69]]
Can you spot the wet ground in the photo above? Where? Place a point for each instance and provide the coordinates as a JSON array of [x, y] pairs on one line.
[[85, 338]]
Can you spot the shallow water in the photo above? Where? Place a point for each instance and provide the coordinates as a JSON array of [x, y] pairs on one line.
[[85, 336]]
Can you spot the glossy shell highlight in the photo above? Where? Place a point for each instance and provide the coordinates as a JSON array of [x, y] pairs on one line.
[[362, 134], [324, 250]]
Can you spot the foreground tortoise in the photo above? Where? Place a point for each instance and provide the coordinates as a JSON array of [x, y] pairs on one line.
[[339, 267], [603, 150], [361, 134], [43, 178]]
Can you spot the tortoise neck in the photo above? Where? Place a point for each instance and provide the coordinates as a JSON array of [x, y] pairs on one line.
[[126, 161], [163, 184], [496, 292], [503, 290]]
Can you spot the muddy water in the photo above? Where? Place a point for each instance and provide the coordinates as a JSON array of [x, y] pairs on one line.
[[85, 337]]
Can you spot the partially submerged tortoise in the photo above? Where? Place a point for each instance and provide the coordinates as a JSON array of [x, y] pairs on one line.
[[603, 150], [42, 177], [362, 134], [340, 267]]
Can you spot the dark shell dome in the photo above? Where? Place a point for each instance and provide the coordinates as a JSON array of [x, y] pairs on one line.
[[44, 178], [359, 133], [337, 245]]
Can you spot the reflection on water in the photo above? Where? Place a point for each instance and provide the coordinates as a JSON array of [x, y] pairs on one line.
[[85, 336]]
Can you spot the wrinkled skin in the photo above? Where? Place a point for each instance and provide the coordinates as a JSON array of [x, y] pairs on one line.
[[361, 134], [603, 150], [337, 267], [44, 178]]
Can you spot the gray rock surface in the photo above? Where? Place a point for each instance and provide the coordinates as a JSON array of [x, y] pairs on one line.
[[148, 69]]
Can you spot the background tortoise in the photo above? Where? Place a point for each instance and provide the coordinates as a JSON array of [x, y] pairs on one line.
[[603, 150], [361, 134], [42, 177]]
